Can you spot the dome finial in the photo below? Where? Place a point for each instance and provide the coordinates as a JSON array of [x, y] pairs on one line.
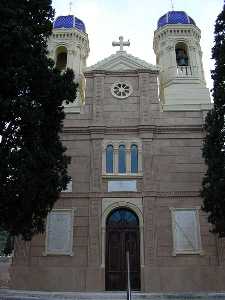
[[172, 5], [70, 7]]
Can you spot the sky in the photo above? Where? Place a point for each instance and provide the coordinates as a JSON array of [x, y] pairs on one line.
[[136, 20]]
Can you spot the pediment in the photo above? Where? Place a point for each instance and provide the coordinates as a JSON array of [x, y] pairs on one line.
[[121, 61]]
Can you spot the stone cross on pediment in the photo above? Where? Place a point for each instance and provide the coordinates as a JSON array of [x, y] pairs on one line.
[[121, 43]]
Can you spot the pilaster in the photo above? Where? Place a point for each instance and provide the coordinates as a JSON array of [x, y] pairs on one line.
[[97, 111]]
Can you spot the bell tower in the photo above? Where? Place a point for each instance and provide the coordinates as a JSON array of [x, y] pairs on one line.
[[179, 56], [68, 46]]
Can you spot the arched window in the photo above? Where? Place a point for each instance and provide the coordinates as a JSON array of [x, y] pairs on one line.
[[109, 159], [182, 54], [122, 217], [61, 58], [122, 159], [134, 158]]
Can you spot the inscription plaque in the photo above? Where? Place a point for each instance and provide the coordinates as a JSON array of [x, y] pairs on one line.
[[122, 186], [59, 237]]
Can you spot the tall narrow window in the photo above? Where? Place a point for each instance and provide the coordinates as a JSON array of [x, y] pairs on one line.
[[122, 159], [61, 58], [134, 159], [109, 159], [182, 54]]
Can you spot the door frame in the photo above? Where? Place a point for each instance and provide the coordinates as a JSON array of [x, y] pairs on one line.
[[122, 231], [135, 205]]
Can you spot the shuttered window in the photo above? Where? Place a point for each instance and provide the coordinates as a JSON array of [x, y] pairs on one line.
[[122, 159], [109, 159], [186, 231], [134, 159], [59, 232]]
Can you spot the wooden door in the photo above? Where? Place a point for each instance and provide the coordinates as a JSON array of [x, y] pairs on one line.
[[122, 235]]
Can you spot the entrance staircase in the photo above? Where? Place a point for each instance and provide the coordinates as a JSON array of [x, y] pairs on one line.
[[6, 294]]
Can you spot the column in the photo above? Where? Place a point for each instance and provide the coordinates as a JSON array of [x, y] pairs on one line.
[[104, 159], [139, 158], [128, 158], [116, 158]]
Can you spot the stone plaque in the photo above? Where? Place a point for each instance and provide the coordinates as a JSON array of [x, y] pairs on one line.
[[122, 186], [59, 237]]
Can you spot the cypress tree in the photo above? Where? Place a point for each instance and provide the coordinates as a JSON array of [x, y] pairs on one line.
[[213, 186], [33, 163]]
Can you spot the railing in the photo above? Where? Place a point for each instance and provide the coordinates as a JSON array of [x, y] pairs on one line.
[[184, 71], [128, 277]]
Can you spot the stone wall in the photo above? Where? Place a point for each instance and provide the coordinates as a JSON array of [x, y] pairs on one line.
[[4, 272], [172, 173]]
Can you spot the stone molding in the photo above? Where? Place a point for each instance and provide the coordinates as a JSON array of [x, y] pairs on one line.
[[158, 194], [137, 129]]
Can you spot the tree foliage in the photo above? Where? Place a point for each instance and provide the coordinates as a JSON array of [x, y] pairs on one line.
[[213, 191], [33, 164]]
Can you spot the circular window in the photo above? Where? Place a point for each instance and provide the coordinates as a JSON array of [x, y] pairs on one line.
[[121, 90]]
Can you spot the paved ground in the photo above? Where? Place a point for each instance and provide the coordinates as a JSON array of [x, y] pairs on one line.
[[6, 294]]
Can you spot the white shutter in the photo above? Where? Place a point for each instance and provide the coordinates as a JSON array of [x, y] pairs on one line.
[[186, 233], [59, 235]]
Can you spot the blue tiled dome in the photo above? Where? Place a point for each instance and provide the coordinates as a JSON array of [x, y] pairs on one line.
[[69, 22], [175, 17]]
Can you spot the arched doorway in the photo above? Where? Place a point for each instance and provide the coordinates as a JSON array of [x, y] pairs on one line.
[[122, 235]]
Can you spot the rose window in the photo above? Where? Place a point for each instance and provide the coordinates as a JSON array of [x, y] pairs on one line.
[[121, 90]]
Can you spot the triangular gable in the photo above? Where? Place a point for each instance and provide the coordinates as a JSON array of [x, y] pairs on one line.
[[122, 61]]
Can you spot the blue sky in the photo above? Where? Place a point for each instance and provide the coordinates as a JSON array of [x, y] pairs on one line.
[[136, 20]]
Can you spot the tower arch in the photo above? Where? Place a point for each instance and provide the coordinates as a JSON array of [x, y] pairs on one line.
[[61, 54], [182, 54]]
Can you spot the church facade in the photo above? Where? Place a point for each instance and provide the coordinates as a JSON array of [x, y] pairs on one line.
[[134, 135]]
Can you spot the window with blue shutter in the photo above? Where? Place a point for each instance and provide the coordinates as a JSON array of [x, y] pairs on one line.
[[109, 159], [122, 159], [134, 159]]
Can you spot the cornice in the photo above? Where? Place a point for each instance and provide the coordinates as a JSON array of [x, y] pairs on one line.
[[119, 62], [151, 194], [153, 129]]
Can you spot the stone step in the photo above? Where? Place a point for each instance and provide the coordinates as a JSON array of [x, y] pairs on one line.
[[7, 294]]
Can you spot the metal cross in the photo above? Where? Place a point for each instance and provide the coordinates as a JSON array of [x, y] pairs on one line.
[[70, 6], [172, 5], [121, 43]]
